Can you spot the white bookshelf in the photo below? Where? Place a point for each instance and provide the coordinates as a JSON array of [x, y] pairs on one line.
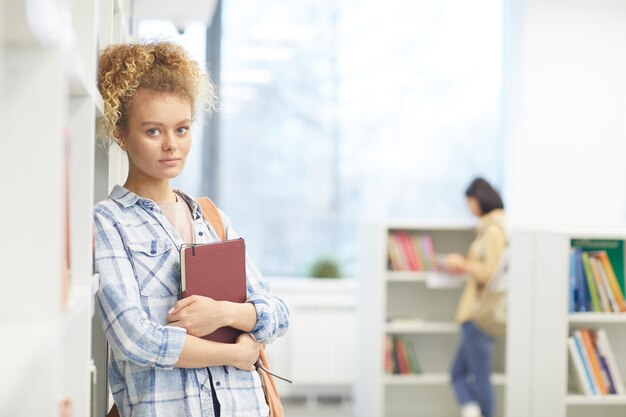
[[413, 306], [48, 98], [111, 167], [540, 322], [432, 379]]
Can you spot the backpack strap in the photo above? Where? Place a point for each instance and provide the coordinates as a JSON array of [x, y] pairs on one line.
[[211, 214]]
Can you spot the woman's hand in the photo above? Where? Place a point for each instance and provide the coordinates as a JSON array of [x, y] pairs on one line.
[[248, 352], [199, 315], [455, 262]]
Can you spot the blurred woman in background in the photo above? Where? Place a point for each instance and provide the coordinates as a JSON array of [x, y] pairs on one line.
[[471, 369]]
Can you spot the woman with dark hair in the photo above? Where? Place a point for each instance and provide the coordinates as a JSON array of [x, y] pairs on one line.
[[471, 370]]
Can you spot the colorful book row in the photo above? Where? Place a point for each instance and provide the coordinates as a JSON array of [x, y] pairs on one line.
[[411, 252], [594, 363], [593, 283], [400, 357]]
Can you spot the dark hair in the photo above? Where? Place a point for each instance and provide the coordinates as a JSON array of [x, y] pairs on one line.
[[487, 197]]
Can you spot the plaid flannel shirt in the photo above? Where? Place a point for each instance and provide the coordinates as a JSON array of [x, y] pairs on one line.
[[137, 257]]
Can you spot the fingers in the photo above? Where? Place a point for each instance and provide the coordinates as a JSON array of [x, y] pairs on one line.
[[180, 304], [242, 336]]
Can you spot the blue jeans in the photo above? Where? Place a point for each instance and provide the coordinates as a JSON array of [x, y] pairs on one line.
[[471, 370]]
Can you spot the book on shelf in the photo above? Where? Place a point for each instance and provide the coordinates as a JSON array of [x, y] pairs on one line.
[[410, 252], [400, 356], [584, 358], [593, 283], [582, 372], [388, 355], [594, 363], [596, 367], [572, 304], [614, 249], [604, 348], [605, 303], [612, 279]]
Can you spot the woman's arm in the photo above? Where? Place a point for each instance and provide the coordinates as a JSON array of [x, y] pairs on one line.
[[481, 270], [263, 315], [199, 353], [495, 242], [203, 315], [131, 335]]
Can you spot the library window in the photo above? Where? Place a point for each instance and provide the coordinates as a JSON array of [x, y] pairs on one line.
[[334, 112], [338, 111]]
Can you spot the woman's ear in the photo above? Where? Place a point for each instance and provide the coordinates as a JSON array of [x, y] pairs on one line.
[[120, 138]]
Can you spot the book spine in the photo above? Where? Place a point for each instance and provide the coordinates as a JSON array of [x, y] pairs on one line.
[[605, 347], [607, 286], [405, 252], [604, 367], [429, 250], [595, 301], [411, 253], [572, 305], [419, 247], [388, 359], [608, 379], [402, 357], [394, 255], [395, 368], [577, 360], [610, 273], [581, 285], [414, 364], [604, 298], [580, 346], [593, 359]]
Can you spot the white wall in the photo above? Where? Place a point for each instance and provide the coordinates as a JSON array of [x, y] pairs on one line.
[[565, 118]]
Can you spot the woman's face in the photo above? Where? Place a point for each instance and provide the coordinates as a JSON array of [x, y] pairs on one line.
[[474, 206], [157, 137]]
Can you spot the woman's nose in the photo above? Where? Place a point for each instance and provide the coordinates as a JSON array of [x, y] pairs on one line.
[[169, 142]]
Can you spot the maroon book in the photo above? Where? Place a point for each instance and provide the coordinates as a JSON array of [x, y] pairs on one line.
[[216, 270]]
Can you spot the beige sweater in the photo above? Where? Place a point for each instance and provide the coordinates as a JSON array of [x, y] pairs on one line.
[[484, 253]]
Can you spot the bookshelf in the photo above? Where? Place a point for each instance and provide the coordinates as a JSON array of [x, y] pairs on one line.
[[415, 306], [48, 105], [540, 322]]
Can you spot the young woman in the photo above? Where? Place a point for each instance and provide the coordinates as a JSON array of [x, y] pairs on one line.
[[160, 366], [471, 370]]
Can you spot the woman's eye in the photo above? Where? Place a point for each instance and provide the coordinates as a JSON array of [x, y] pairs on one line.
[[182, 130], [153, 132]]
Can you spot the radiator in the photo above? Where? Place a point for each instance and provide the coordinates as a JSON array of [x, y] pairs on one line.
[[318, 352]]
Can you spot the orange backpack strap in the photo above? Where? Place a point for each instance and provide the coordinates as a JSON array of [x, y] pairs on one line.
[[212, 215], [269, 388]]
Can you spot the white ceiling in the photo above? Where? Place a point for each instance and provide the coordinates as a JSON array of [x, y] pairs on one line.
[[180, 12]]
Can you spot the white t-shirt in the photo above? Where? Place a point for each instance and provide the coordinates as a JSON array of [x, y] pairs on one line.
[[179, 215]]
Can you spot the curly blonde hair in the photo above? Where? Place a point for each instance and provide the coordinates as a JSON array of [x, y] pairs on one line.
[[162, 67]]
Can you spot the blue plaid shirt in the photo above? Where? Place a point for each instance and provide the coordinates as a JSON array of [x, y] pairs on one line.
[[137, 258]]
